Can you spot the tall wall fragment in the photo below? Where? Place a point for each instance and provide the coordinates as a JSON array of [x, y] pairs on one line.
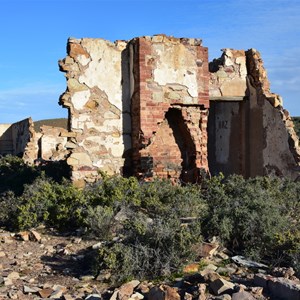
[[97, 107], [156, 86], [249, 131], [169, 107], [19, 139]]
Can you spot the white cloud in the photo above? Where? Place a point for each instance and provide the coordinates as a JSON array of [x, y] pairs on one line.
[[40, 101]]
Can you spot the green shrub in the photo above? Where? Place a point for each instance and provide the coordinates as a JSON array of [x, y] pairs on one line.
[[9, 207], [113, 189], [249, 214], [152, 242], [99, 221], [14, 174], [51, 203], [150, 229], [151, 248]]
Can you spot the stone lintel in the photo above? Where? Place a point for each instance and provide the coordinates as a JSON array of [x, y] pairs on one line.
[[226, 98]]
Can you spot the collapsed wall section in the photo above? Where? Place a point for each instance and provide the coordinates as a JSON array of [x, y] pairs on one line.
[[98, 108], [6, 143], [280, 151], [226, 125], [19, 139], [249, 131], [169, 107]]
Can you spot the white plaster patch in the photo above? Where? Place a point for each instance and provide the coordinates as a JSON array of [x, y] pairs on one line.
[[79, 99], [83, 60], [176, 66], [104, 71]]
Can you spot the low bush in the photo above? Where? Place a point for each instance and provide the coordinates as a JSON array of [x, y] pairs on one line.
[[14, 174], [151, 229], [250, 215], [48, 202], [151, 248]]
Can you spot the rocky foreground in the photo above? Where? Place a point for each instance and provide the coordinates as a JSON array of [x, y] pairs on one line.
[[43, 265]]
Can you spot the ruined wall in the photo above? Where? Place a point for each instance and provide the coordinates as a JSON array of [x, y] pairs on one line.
[[141, 107], [227, 118], [6, 144], [119, 95], [169, 107], [53, 143], [18, 139], [228, 76], [280, 151], [249, 132], [96, 106]]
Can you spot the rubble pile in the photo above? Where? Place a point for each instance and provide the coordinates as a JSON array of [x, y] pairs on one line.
[[35, 265]]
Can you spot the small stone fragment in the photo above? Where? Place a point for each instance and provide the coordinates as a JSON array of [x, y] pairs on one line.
[[137, 296], [24, 235], [56, 294], [242, 296], [8, 281], [34, 236], [45, 292], [27, 289], [191, 268], [68, 297], [93, 297], [13, 275], [220, 286]]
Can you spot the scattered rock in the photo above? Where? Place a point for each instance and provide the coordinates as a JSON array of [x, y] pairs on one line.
[[220, 286], [97, 246], [241, 260], [93, 297], [23, 235], [202, 290], [45, 292], [27, 289], [13, 275], [126, 290], [191, 268], [208, 249], [136, 296], [34, 236], [42, 271], [242, 296]]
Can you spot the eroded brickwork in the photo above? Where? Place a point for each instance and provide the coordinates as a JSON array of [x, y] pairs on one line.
[[169, 107]]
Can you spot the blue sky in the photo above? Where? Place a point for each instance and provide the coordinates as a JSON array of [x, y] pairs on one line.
[[34, 33]]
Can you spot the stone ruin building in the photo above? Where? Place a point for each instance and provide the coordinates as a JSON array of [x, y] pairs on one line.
[[155, 107]]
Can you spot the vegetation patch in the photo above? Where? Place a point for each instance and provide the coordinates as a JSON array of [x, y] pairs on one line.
[[150, 230]]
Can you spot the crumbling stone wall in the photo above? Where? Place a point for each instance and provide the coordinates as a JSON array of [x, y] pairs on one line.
[[249, 131], [169, 107], [281, 151], [6, 145], [18, 139], [53, 142], [141, 107], [127, 101], [155, 107], [96, 107]]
